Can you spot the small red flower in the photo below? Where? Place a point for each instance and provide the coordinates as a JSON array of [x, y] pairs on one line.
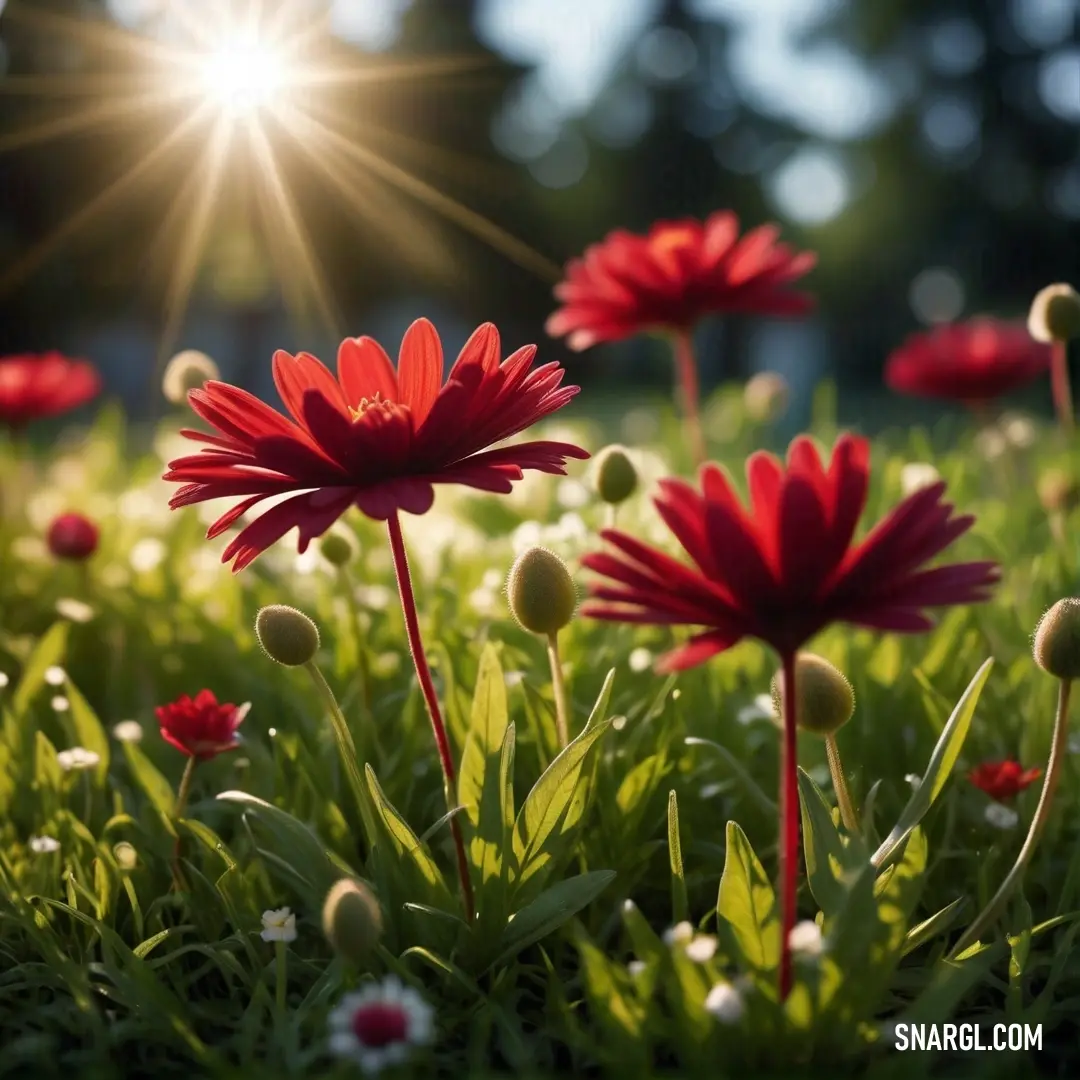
[[789, 567], [35, 387], [72, 536], [1003, 780], [971, 362], [373, 437], [674, 276], [201, 728]]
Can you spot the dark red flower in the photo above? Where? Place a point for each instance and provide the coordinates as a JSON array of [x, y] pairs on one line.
[[72, 536], [972, 362], [674, 276], [34, 387], [1003, 780], [372, 437], [201, 728], [790, 566]]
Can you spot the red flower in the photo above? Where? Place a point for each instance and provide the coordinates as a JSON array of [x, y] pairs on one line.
[[372, 437], [1003, 780], [789, 567], [72, 536], [971, 362], [675, 275], [34, 387], [201, 728]]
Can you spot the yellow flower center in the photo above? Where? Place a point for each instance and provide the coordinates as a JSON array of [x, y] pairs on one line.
[[366, 403]]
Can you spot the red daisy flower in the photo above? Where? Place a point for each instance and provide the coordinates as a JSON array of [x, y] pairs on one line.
[[72, 536], [971, 362], [373, 437], [789, 567], [672, 277], [1003, 780], [201, 728], [35, 387]]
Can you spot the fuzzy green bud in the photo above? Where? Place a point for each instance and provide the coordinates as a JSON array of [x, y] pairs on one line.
[[825, 701], [338, 547], [352, 920], [1058, 491], [1055, 314], [187, 370], [1057, 640], [616, 476], [540, 591], [287, 635], [765, 396]]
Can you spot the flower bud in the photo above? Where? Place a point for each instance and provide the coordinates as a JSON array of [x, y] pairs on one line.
[[540, 591], [825, 700], [1057, 640], [286, 635], [72, 536], [765, 396], [1055, 314], [1058, 491], [338, 547], [352, 920], [616, 477], [187, 370]]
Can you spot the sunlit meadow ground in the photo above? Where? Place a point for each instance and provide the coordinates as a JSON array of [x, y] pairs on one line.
[[108, 971]]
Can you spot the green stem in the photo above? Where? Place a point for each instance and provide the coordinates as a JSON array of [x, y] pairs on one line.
[[843, 796], [184, 791], [1058, 751], [1059, 384], [280, 980], [789, 823], [558, 686], [349, 586], [346, 750], [686, 366]]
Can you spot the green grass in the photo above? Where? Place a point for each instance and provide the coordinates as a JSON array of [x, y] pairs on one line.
[[108, 970]]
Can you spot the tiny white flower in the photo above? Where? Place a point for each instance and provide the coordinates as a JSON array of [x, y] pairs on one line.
[[376, 597], [128, 731], [4, 680], [74, 610], [725, 1003], [640, 659], [44, 845], [514, 678], [1019, 431], [279, 925], [147, 555], [55, 676], [913, 779], [917, 475], [990, 443], [76, 758], [636, 968], [762, 708], [1000, 816], [483, 601], [379, 1025], [571, 494], [710, 791], [680, 933], [805, 939], [702, 949], [125, 855], [492, 579], [60, 703], [618, 723]]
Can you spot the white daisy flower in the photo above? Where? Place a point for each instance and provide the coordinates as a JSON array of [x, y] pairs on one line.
[[128, 731], [55, 676], [681, 934], [640, 659], [74, 610], [1000, 816], [279, 925], [702, 949], [725, 1003], [636, 968], [914, 779], [60, 703], [77, 758], [44, 845], [762, 708], [379, 1025], [4, 680], [806, 940], [917, 475]]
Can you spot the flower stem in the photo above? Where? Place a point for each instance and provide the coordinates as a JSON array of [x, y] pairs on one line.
[[427, 687], [558, 686], [686, 366], [843, 797], [345, 579], [346, 749], [184, 791], [1038, 823], [280, 983], [789, 824], [1059, 384]]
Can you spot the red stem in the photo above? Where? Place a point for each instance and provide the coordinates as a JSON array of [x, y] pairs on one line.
[[789, 823], [1059, 384], [686, 366], [423, 673]]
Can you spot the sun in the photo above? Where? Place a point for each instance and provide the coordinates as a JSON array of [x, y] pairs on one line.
[[244, 74]]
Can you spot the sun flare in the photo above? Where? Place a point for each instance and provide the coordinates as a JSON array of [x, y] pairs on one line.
[[244, 74]]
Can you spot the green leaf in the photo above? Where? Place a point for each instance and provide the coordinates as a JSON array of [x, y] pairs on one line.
[[614, 1003], [746, 906], [603, 700], [736, 768], [936, 924], [937, 772], [542, 821], [549, 911], [680, 905], [154, 786], [88, 731], [823, 848], [48, 652]]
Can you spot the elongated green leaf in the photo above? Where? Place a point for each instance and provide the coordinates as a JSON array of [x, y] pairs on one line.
[[746, 906], [603, 700], [823, 848], [613, 1001], [541, 821], [550, 910], [88, 731], [937, 772], [734, 766], [679, 903], [48, 652], [938, 923], [154, 786]]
